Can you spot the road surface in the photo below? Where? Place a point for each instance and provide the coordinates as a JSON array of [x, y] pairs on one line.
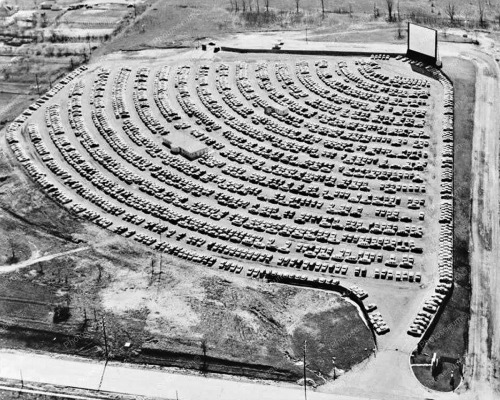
[[14, 267], [120, 378], [484, 330]]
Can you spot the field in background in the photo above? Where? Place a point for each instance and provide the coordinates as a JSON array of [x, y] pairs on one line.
[[179, 22]]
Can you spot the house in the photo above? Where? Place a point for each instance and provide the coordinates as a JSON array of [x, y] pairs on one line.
[[47, 5]]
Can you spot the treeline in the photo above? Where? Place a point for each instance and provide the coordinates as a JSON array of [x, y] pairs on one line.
[[473, 14]]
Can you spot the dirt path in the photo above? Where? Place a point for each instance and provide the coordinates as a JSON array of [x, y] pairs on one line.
[[485, 320], [33, 260]]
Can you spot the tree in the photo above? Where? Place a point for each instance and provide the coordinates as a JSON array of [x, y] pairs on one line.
[[244, 5], [297, 4], [400, 30], [99, 272], [390, 6], [480, 9], [323, 7], [451, 11], [44, 23], [266, 4], [61, 313], [204, 350]]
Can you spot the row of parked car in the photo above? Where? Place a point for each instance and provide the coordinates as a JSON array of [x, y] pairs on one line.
[[173, 200], [196, 208], [274, 89], [444, 282]]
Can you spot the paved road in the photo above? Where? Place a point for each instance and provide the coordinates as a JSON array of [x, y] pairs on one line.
[[154, 383]]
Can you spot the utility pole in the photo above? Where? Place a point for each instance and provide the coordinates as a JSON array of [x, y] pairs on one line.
[[305, 382], [37, 85], [105, 338], [85, 317], [152, 268], [161, 253]]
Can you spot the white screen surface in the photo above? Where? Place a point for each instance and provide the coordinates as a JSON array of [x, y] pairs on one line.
[[422, 40]]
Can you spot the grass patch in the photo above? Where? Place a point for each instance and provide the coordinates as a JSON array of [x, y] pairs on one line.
[[442, 381], [332, 336]]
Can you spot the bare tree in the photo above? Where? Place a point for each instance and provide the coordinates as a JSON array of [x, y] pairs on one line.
[[390, 6], [451, 11], [400, 31], [99, 272], [480, 10], [258, 6], [243, 5], [297, 4], [204, 350], [323, 7], [266, 4]]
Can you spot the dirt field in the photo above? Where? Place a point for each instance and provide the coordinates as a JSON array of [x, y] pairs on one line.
[[188, 21], [250, 325]]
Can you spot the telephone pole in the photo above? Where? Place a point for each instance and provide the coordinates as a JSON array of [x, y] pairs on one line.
[[37, 85], [305, 382], [161, 252], [105, 338]]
